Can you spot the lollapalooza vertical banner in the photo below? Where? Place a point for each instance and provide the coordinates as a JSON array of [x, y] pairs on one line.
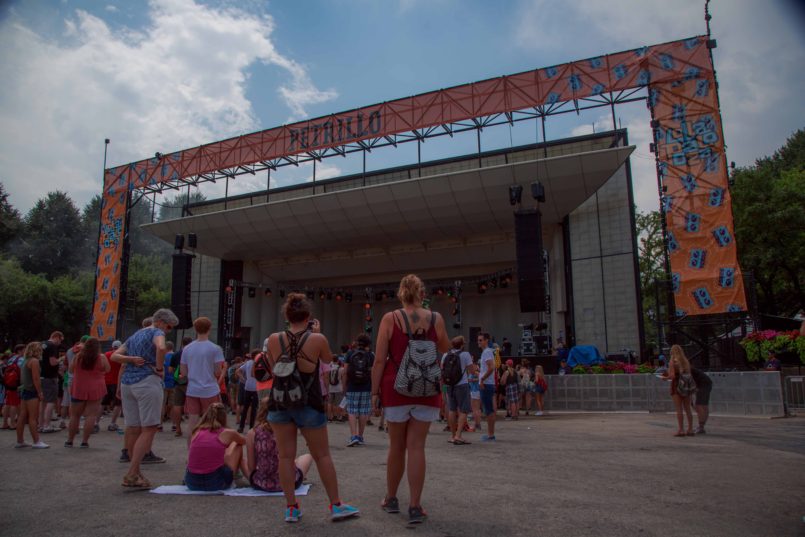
[[696, 202]]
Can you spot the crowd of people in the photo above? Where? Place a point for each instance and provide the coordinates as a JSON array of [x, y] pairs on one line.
[[413, 375]]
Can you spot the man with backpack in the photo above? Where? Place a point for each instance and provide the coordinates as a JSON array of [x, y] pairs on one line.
[[455, 363], [358, 376]]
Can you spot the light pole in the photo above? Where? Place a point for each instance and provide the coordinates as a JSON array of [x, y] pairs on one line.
[[100, 223]]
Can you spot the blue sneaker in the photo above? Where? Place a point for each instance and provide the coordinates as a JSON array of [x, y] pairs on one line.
[[293, 513], [360, 441], [338, 512], [487, 438], [353, 441]]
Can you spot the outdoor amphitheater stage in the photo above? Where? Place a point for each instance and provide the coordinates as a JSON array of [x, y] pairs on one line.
[[347, 241]]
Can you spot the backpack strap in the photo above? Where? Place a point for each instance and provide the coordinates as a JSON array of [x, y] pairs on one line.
[[432, 320], [407, 324], [283, 348]]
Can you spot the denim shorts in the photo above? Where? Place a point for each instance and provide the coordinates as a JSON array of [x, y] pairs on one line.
[[488, 399], [27, 395], [220, 479], [305, 417]]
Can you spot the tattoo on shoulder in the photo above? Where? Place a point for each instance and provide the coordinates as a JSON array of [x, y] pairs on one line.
[[415, 317]]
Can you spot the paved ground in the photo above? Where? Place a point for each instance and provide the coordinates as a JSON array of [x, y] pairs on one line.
[[563, 475]]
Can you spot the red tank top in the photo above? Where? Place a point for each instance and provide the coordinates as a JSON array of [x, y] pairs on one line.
[[397, 345]]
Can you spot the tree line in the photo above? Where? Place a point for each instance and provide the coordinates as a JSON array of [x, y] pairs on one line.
[[47, 265]]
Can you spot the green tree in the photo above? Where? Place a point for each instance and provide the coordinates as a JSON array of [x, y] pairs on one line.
[[149, 282], [24, 304], [651, 262], [53, 237], [769, 215], [10, 221]]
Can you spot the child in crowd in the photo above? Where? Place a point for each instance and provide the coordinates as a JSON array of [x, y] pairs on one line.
[[262, 456], [216, 452]]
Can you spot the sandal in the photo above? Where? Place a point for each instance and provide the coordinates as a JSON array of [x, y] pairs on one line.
[[451, 441], [690, 433], [136, 481], [680, 433], [460, 442]]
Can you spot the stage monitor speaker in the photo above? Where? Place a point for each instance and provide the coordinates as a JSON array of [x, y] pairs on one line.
[[530, 269], [180, 288]]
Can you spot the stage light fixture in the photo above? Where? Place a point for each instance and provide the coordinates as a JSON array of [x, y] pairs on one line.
[[368, 318], [267, 292], [538, 191], [228, 289], [367, 306], [453, 299], [322, 295], [482, 288], [515, 194], [311, 295], [348, 297], [368, 328], [339, 297]]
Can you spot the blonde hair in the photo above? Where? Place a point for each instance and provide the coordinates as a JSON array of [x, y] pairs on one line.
[[679, 360], [33, 350], [214, 418], [411, 291], [539, 372], [261, 419]]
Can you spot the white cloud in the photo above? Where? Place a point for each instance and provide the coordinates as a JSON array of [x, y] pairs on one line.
[[178, 82], [110, 8]]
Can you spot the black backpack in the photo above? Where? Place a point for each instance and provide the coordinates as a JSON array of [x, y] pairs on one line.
[[360, 367], [289, 389], [452, 370], [261, 370]]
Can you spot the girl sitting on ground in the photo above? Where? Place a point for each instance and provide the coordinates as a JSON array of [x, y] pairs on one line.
[[216, 452], [262, 456]]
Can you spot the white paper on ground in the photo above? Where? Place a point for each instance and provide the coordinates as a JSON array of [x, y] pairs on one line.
[[245, 491]]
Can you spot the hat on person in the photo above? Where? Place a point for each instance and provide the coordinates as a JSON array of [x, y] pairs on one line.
[[116, 343], [510, 362], [84, 339]]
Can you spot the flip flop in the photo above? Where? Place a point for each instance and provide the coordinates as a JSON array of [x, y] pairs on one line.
[[136, 482], [680, 434], [451, 441], [460, 442], [690, 433]]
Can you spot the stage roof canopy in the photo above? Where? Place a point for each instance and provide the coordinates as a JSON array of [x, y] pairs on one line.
[[332, 234]]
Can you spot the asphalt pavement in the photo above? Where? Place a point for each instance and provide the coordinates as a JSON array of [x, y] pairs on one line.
[[562, 474]]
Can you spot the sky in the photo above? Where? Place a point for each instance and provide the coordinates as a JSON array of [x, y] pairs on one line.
[[164, 75]]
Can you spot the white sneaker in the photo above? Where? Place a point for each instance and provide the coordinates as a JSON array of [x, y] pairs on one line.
[[22, 445], [40, 445], [539, 413]]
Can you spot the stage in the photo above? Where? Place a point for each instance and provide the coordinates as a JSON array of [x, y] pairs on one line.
[[448, 221]]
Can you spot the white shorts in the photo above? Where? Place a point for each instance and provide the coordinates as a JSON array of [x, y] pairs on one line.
[[475, 395], [403, 413]]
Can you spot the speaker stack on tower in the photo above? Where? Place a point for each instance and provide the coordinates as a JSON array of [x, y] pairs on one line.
[[530, 267], [181, 276]]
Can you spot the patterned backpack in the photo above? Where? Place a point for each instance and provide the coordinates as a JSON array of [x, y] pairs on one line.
[[685, 385], [289, 389], [419, 371]]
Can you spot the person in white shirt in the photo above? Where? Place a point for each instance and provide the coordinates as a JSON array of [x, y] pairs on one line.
[[487, 381], [203, 366]]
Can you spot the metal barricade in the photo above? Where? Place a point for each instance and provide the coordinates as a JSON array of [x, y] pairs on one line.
[[794, 394]]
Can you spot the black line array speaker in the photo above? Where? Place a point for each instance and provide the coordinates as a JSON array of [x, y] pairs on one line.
[[180, 288], [530, 268]]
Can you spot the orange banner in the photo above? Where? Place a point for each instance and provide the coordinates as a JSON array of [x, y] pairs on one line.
[[692, 164]]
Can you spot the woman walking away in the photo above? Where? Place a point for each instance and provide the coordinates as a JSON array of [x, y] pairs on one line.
[[262, 456], [526, 385], [409, 417], [682, 387], [30, 396], [215, 453], [87, 388], [511, 380], [246, 375], [540, 388], [296, 403], [143, 359]]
